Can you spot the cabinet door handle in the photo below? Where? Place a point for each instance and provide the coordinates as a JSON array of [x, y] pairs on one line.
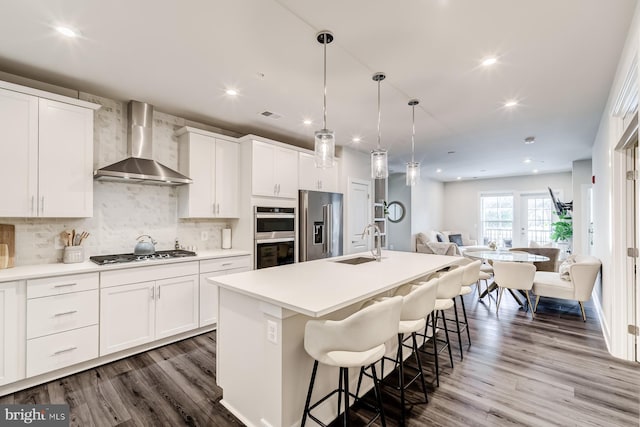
[[218, 208], [42, 205], [159, 287], [153, 293], [33, 205], [65, 313], [226, 264], [64, 285], [65, 350]]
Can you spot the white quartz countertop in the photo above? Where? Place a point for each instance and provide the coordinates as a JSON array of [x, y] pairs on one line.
[[60, 269], [317, 288]]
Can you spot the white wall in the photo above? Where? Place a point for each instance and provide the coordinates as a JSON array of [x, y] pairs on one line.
[[615, 296], [581, 176], [461, 198], [399, 233], [427, 200]]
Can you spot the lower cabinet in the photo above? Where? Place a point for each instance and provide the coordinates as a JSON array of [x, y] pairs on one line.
[[209, 291], [138, 313], [62, 322], [9, 344]]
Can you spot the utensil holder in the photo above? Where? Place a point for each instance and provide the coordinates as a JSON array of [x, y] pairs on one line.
[[73, 254]]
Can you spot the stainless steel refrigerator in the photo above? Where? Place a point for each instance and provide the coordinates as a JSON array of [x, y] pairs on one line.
[[320, 227]]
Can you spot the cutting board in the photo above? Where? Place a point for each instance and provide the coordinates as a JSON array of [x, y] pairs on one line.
[[8, 237]]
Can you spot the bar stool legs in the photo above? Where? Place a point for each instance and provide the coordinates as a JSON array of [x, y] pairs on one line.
[[343, 390]]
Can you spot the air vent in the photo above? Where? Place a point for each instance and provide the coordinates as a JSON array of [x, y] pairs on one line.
[[270, 114]]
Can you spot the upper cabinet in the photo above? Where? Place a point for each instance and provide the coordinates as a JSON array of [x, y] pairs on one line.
[[47, 155], [212, 163], [317, 179], [274, 170]]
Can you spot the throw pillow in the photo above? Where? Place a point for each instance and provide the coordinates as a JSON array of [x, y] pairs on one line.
[[440, 237], [456, 238], [563, 269]]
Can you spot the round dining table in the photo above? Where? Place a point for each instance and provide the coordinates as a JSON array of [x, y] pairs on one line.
[[502, 255]]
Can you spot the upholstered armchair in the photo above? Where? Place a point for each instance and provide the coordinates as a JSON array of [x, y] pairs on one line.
[[582, 277], [551, 253]]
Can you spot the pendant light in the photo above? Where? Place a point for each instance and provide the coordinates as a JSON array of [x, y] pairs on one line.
[[413, 167], [379, 164], [325, 141]]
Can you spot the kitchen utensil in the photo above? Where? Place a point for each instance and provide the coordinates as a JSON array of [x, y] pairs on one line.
[[144, 247], [8, 237], [83, 236]]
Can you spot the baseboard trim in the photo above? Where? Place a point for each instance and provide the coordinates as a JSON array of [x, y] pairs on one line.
[[606, 333]]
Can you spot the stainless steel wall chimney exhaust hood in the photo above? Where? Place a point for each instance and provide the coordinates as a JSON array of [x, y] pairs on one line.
[[139, 167]]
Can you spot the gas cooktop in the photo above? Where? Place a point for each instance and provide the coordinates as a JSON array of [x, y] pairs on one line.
[[118, 258]]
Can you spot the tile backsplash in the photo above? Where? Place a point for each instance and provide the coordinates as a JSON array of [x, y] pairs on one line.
[[121, 211]]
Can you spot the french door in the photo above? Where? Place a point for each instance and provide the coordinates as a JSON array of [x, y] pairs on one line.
[[536, 217]]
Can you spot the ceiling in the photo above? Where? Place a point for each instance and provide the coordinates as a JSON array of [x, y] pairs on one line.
[[556, 58]]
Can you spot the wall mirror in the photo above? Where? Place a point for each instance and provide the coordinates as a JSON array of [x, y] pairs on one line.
[[396, 211]]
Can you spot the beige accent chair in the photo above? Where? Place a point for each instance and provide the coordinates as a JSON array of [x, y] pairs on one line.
[[583, 275], [514, 275], [551, 253]]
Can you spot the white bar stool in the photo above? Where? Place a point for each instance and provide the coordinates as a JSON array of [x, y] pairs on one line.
[[449, 285], [418, 302], [355, 342]]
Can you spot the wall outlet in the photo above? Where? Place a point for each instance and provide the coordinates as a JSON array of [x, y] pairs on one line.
[[272, 331], [204, 236]]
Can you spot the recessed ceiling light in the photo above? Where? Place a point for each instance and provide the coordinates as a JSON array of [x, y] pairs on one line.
[[535, 171], [307, 122], [356, 139], [530, 140], [66, 31], [511, 103], [438, 170], [459, 178], [231, 92], [526, 161], [489, 61]]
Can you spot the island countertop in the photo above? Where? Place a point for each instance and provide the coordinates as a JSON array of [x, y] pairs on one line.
[[317, 288]]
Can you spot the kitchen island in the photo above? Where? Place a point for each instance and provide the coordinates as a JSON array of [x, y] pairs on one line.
[[262, 366]]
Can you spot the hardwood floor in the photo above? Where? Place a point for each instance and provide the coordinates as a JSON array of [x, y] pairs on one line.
[[552, 371]]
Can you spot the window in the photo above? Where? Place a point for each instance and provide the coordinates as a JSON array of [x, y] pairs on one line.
[[496, 218]]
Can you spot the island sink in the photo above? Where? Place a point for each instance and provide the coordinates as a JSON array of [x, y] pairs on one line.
[[356, 260]]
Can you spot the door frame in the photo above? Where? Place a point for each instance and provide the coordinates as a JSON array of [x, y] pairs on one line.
[[347, 226]]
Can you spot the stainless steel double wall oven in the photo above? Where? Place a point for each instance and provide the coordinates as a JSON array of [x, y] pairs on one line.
[[275, 236]]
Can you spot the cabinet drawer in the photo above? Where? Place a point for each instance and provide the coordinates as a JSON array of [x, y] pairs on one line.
[[221, 264], [128, 276], [57, 351], [37, 288], [61, 313]]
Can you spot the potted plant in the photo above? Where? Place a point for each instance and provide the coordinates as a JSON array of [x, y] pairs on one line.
[[563, 231]]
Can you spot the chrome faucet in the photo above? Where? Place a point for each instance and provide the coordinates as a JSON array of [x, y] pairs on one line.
[[377, 240]]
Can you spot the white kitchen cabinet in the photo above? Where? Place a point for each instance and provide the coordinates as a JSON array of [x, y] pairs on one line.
[[140, 305], [274, 170], [209, 291], [19, 148], [65, 159], [47, 155], [176, 305], [9, 336], [213, 164], [317, 179], [127, 316]]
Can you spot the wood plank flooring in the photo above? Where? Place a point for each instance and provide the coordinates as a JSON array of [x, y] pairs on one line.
[[552, 371]]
